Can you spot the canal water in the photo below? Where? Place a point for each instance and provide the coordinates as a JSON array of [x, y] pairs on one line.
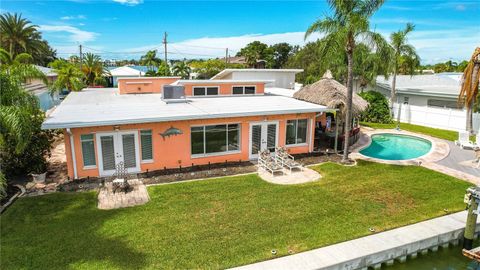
[[444, 259]]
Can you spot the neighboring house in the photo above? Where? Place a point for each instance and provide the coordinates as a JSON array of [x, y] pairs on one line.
[[124, 71], [152, 123], [428, 100], [40, 89], [283, 78]]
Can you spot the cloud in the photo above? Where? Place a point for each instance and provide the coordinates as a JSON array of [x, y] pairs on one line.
[[78, 17], [129, 2], [210, 47], [432, 46], [460, 7], [74, 34]]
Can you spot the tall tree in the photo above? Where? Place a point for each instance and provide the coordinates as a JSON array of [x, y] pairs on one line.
[[93, 69], [402, 53], [347, 26], [150, 59], [181, 69], [469, 89], [256, 51], [281, 53], [68, 77], [19, 35]]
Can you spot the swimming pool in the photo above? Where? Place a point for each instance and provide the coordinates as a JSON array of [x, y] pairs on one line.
[[396, 147]]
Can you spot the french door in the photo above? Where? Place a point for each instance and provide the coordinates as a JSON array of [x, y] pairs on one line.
[[116, 147], [263, 136]]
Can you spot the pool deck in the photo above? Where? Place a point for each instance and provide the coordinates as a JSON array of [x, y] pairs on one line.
[[376, 249], [445, 156]]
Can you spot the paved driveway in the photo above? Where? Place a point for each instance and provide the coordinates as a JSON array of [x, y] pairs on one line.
[[460, 159]]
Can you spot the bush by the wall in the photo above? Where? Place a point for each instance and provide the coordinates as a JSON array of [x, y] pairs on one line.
[[378, 110]]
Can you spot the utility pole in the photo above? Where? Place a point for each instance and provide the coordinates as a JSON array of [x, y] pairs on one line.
[[81, 55], [165, 45], [226, 57]]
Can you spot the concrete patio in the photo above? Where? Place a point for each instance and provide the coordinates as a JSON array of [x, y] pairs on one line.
[[137, 195], [290, 178]]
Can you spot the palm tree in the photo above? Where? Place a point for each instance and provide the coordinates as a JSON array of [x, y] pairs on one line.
[[150, 59], [16, 107], [181, 69], [348, 26], [93, 68], [68, 77], [402, 53], [17, 33], [20, 66], [469, 88]]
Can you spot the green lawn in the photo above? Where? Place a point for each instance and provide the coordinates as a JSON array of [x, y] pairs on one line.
[[224, 222], [434, 132]]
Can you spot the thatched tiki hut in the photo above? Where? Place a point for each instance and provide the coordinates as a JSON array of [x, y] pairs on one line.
[[330, 93]]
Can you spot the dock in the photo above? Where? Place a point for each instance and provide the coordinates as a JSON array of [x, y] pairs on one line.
[[374, 250]]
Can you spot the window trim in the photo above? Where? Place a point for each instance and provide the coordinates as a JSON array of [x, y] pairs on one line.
[[88, 167], [243, 90], [296, 133], [205, 87], [224, 153], [145, 161]]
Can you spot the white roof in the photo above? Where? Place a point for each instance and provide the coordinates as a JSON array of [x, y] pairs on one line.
[[125, 71], [46, 70], [441, 84], [277, 91], [105, 106], [227, 71]]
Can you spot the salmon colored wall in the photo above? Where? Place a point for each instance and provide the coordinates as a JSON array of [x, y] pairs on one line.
[[144, 84], [224, 88], [174, 151]]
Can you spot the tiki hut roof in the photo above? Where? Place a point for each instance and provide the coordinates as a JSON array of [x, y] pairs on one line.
[[330, 93]]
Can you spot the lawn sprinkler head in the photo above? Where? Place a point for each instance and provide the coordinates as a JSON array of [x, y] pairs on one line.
[[371, 229], [445, 210], [274, 252]]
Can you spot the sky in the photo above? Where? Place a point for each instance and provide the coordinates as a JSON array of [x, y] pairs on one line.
[[126, 29]]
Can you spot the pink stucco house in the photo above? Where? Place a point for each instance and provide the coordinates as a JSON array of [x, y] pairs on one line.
[[151, 123]]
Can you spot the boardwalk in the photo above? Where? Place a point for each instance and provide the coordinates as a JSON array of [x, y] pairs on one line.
[[371, 251]]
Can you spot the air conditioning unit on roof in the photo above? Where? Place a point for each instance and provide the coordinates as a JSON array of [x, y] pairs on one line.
[[173, 93]]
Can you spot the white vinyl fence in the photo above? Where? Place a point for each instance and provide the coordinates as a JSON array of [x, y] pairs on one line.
[[443, 118]]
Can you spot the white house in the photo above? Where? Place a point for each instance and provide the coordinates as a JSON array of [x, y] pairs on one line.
[[428, 100], [124, 71], [282, 78]]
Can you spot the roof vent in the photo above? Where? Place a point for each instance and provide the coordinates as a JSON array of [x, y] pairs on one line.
[[173, 93]]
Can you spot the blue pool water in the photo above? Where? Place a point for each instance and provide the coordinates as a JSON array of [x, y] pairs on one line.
[[396, 147]]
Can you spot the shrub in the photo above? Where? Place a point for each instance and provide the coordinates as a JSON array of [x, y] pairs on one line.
[[378, 110]]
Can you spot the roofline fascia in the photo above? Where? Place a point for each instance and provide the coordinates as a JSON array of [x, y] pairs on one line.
[[412, 92], [176, 118]]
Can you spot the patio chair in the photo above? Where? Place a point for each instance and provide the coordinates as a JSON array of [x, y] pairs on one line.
[[286, 160], [268, 163], [120, 178], [464, 140]]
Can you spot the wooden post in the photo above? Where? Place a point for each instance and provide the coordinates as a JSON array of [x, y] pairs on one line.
[[336, 133], [471, 220]]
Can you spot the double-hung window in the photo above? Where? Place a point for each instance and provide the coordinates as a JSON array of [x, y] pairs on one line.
[[243, 90], [296, 131], [205, 91], [146, 145], [215, 139], [88, 150]]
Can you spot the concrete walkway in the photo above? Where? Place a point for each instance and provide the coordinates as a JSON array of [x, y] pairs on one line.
[[373, 250]]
